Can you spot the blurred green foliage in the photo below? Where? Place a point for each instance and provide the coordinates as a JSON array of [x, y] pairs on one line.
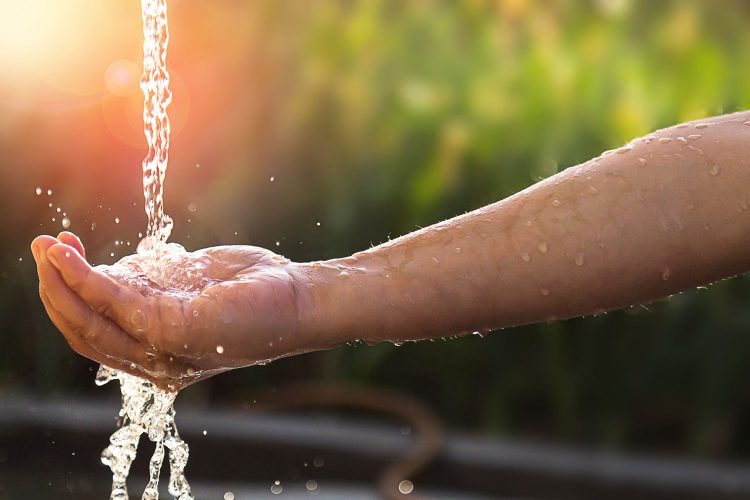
[[377, 117]]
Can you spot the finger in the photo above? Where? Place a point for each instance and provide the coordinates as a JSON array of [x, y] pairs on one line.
[[128, 356], [71, 239], [126, 307], [40, 245]]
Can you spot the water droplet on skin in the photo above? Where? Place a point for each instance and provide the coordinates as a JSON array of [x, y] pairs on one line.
[[715, 170], [743, 205], [405, 487], [623, 150], [682, 140], [38, 191], [117, 220], [49, 192], [701, 125], [642, 161], [693, 137], [579, 259], [682, 125], [556, 203], [593, 190], [66, 222], [343, 275], [67, 255], [529, 223], [666, 273], [542, 247], [525, 257], [192, 208], [457, 250], [435, 260], [220, 349], [665, 140], [544, 291], [276, 488]]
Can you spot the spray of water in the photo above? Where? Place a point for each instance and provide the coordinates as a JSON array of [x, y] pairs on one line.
[[146, 409]]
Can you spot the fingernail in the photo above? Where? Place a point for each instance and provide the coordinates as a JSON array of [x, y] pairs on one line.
[[53, 259]]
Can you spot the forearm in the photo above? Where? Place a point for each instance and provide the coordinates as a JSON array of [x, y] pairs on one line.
[[628, 227]]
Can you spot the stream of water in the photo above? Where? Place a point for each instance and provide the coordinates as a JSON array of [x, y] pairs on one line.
[[147, 409]]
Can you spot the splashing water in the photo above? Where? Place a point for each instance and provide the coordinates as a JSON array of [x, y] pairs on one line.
[[146, 409]]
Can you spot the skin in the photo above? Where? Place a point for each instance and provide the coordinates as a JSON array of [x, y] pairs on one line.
[[663, 214]]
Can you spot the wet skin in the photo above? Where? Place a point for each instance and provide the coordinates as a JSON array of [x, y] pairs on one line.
[[665, 213]]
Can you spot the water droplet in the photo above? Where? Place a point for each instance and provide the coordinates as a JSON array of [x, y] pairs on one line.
[[544, 291], [747, 122], [579, 259], [111, 254], [66, 222], [58, 210], [525, 257], [140, 235], [343, 275], [642, 161], [117, 220], [715, 170], [693, 137], [50, 205], [623, 150], [529, 223], [38, 191], [405, 487], [542, 247], [192, 208], [556, 203], [701, 125], [67, 255], [682, 140], [665, 140], [319, 461], [272, 178], [435, 260], [220, 349], [190, 371], [278, 243], [53, 219], [593, 190], [49, 192], [276, 488], [205, 432], [228, 495], [317, 224], [666, 273], [743, 205], [457, 250], [311, 485]]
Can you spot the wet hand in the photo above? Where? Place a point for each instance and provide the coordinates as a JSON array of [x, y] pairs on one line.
[[206, 312]]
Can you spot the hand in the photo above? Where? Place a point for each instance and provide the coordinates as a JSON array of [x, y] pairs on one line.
[[207, 312]]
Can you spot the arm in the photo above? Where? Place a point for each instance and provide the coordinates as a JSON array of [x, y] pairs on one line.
[[665, 213]]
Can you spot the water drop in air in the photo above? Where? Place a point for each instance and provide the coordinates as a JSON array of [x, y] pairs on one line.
[[49, 192], [276, 488], [220, 349], [38, 191], [117, 220], [311, 485], [66, 222], [228, 495], [405, 487]]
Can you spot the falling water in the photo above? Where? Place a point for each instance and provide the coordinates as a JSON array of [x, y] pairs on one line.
[[146, 409]]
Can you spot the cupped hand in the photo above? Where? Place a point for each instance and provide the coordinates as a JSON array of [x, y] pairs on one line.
[[193, 315]]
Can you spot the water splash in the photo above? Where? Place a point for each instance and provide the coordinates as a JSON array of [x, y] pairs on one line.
[[146, 409]]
